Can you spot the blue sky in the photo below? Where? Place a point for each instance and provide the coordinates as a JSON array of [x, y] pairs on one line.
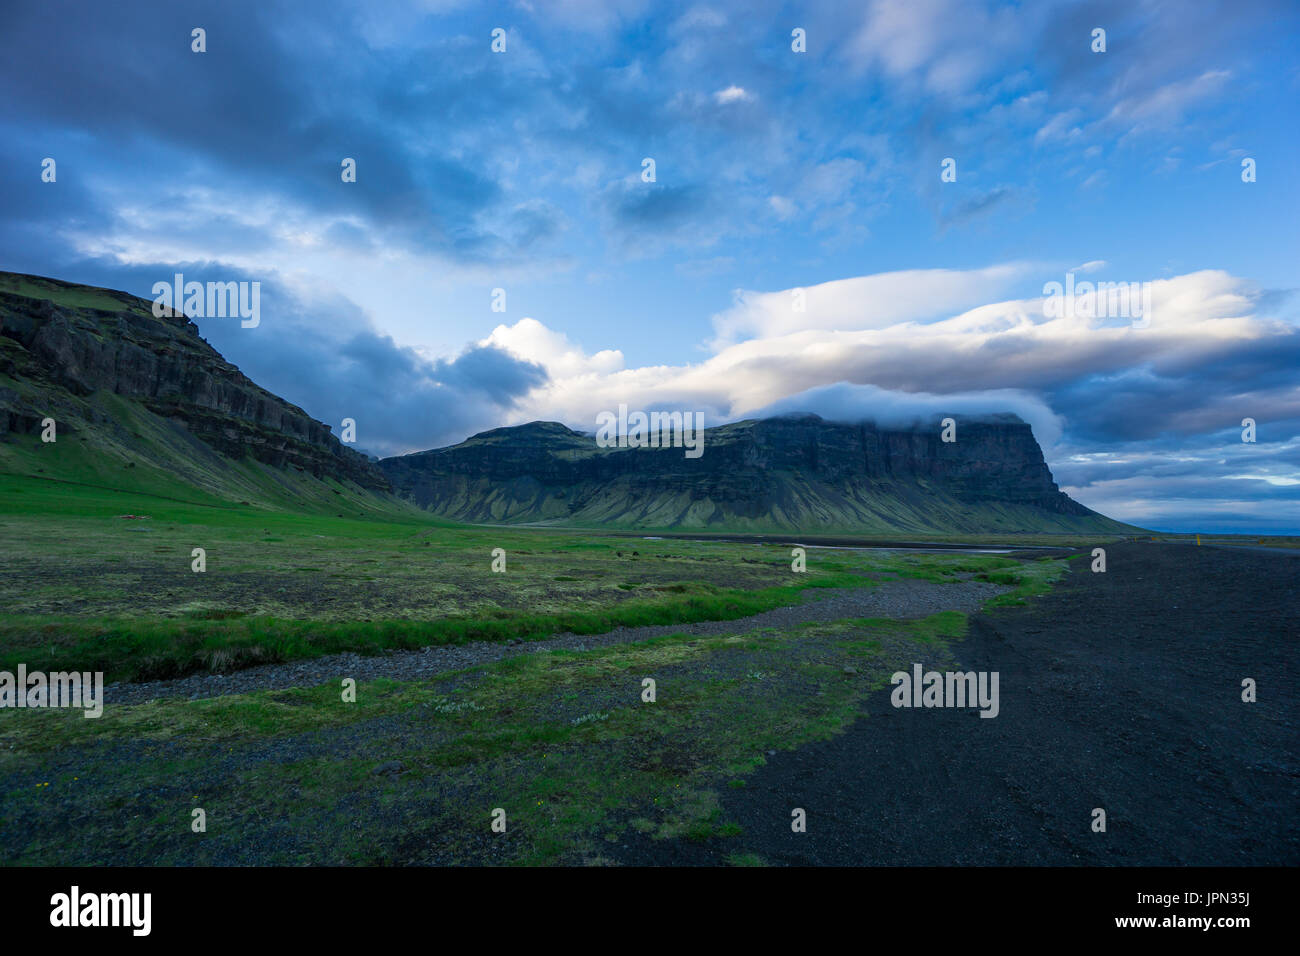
[[775, 171]]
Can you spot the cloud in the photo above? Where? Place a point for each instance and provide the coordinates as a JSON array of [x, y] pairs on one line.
[[1208, 483], [326, 356], [972, 207], [1169, 102], [732, 94], [864, 302], [553, 351], [842, 402], [896, 332], [644, 218], [1060, 127], [944, 46], [639, 205]]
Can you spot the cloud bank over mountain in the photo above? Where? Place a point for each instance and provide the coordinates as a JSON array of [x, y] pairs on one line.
[[1114, 405]]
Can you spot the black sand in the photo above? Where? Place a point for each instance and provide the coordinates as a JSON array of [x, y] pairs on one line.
[[1119, 690]]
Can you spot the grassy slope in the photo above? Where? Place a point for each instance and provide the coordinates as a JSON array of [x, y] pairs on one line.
[[65, 294], [144, 454], [803, 504]]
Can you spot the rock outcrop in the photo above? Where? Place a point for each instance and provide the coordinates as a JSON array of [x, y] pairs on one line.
[[61, 343]]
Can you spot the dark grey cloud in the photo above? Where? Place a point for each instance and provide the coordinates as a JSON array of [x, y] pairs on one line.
[[490, 372], [1241, 379], [329, 360], [400, 401], [1198, 486], [654, 207], [270, 109], [971, 207]]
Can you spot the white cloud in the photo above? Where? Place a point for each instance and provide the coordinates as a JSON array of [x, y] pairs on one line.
[[875, 301], [866, 344], [783, 207], [947, 46], [531, 340], [732, 94], [854, 403], [1165, 106], [1062, 126]]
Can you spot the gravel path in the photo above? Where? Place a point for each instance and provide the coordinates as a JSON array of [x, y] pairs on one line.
[[907, 598]]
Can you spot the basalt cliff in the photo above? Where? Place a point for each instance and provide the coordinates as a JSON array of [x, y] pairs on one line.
[[126, 389], [793, 473]]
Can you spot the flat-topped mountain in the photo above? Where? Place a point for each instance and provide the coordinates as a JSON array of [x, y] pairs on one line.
[[792, 473]]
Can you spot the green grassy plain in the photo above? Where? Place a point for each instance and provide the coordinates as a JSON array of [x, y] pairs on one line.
[[85, 587], [411, 772]]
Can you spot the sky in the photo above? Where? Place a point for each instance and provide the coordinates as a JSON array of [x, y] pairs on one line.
[[866, 227]]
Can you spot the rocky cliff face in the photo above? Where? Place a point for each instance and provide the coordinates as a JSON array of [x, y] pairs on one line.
[[60, 344], [789, 473]]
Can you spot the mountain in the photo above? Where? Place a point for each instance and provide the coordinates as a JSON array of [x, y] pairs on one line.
[[143, 403], [793, 473]]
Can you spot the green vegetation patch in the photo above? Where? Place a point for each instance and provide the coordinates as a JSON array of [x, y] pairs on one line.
[[562, 742]]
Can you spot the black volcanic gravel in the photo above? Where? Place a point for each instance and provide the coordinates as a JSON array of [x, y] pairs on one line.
[[1119, 690]]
